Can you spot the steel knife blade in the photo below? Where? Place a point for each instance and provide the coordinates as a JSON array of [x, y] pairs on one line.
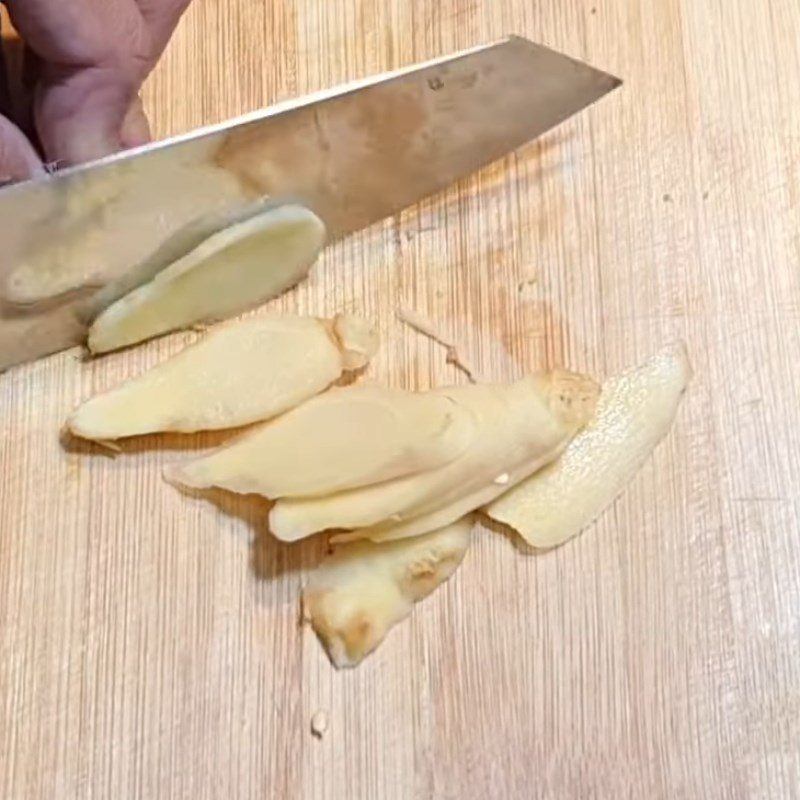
[[355, 154]]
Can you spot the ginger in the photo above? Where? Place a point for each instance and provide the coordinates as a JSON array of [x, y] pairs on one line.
[[364, 589], [237, 374], [234, 269], [518, 428], [635, 411]]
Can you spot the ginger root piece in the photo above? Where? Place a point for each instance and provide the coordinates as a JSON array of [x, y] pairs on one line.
[[239, 373], [635, 411], [364, 589], [518, 429], [346, 438], [231, 271]]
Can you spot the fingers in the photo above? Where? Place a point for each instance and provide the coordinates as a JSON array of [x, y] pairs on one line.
[[90, 115], [80, 118], [18, 159], [161, 18], [82, 33], [94, 56], [75, 33]]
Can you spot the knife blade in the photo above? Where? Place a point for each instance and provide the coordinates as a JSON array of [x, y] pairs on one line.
[[354, 155]]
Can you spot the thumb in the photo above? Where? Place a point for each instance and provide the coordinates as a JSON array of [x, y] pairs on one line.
[[18, 159]]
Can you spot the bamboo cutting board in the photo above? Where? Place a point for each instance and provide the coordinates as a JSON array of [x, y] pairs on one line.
[[149, 644]]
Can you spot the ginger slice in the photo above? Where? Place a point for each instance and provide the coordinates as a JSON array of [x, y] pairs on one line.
[[395, 529], [518, 429], [231, 271], [364, 589], [239, 373], [351, 437], [179, 243], [635, 411]]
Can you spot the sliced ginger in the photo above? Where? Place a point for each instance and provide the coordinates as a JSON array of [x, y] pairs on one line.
[[635, 411], [364, 589], [183, 240], [237, 374], [351, 437], [231, 271], [518, 429]]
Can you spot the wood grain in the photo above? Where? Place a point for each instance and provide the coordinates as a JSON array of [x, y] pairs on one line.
[[149, 644]]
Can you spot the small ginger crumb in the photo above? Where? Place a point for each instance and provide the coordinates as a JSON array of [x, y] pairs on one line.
[[455, 358], [454, 355], [319, 723], [502, 480]]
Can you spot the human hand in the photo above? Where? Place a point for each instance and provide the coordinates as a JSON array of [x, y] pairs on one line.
[[90, 60]]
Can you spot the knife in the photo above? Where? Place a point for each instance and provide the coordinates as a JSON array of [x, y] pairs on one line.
[[354, 155]]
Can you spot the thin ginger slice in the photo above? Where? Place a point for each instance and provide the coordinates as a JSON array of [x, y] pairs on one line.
[[635, 411], [183, 240], [364, 589], [346, 438], [403, 529], [233, 270], [238, 373], [519, 428]]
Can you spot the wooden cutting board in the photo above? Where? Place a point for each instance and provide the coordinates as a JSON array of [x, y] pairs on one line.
[[149, 644]]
